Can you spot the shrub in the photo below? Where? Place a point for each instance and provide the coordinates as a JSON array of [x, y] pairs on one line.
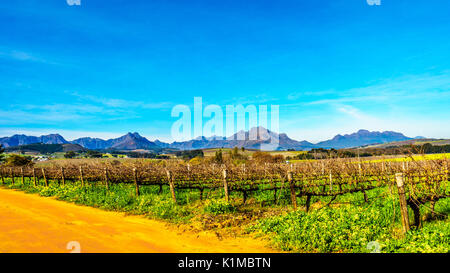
[[235, 155], [218, 206], [218, 157], [266, 157], [70, 154], [18, 160], [187, 155], [94, 154], [196, 160]]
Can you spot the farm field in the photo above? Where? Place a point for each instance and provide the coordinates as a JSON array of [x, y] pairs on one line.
[[391, 158], [411, 158], [320, 206], [250, 152]]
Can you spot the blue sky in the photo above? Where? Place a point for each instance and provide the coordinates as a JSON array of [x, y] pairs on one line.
[[104, 68]]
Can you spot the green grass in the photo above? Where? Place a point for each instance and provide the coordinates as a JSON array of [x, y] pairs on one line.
[[350, 227], [218, 206]]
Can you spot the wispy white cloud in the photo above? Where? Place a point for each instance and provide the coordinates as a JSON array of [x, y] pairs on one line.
[[62, 107], [22, 56], [87, 109], [352, 112], [121, 103], [15, 117], [307, 94], [253, 99], [58, 113], [392, 90]]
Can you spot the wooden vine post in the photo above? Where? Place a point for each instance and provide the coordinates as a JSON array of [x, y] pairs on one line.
[[201, 193], [359, 179], [63, 177], [225, 185], [136, 185], [1, 174], [291, 185], [244, 196], [403, 204], [22, 175], [189, 173], [171, 185], [445, 173], [366, 199], [34, 177], [81, 176], [12, 175], [331, 181], [106, 178], [308, 202], [45, 178]]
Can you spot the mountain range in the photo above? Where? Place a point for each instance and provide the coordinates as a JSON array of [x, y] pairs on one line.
[[130, 141], [252, 139], [361, 138], [17, 140]]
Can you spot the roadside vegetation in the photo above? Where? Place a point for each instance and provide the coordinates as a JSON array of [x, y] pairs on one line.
[[362, 228]]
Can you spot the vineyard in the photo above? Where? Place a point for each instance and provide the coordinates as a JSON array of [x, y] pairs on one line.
[[415, 185]]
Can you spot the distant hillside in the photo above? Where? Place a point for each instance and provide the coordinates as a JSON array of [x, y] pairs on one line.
[[255, 138], [415, 141], [361, 138], [130, 141], [162, 144], [46, 148], [17, 140], [92, 143]]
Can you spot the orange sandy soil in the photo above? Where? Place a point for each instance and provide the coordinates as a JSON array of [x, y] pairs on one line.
[[30, 223]]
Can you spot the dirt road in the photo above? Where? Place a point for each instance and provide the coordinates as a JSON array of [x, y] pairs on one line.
[[30, 223]]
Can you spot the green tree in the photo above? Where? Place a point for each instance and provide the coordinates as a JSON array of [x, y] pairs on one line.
[[188, 155], [18, 160], [266, 157], [235, 155], [70, 154], [94, 154], [218, 157]]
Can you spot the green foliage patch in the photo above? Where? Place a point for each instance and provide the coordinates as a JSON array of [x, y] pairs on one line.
[[218, 206], [350, 228]]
